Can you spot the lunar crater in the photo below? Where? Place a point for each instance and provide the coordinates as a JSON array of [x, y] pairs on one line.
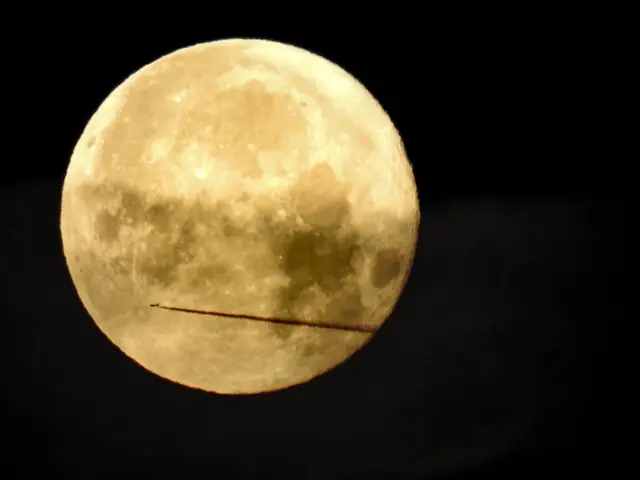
[[387, 266]]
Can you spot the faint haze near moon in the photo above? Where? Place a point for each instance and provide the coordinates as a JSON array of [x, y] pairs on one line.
[[484, 354]]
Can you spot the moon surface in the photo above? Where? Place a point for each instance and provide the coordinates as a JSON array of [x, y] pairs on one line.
[[241, 176]]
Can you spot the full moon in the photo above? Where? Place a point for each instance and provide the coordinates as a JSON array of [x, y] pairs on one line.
[[245, 177]]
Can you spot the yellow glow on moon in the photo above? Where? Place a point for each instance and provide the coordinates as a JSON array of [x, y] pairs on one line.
[[246, 177]]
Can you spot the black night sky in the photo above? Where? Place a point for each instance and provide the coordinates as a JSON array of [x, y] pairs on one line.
[[491, 361]]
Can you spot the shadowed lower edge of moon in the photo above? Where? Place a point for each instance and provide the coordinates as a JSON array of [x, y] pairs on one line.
[[298, 361], [319, 259]]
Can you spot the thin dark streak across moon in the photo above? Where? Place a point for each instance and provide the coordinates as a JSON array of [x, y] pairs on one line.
[[330, 326]]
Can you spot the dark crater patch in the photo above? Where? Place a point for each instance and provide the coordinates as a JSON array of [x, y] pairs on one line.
[[164, 254], [107, 226], [165, 250], [230, 228], [132, 207], [160, 215], [322, 257], [386, 267]]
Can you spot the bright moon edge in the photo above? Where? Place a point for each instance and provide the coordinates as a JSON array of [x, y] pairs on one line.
[[285, 369]]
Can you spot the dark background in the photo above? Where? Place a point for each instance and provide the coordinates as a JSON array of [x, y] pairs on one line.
[[495, 358]]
